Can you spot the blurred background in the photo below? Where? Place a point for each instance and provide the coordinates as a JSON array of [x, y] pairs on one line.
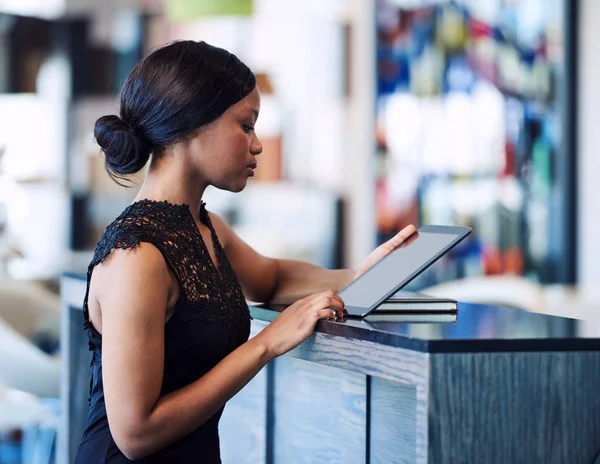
[[375, 114]]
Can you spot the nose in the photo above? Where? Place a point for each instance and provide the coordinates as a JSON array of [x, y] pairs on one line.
[[256, 147]]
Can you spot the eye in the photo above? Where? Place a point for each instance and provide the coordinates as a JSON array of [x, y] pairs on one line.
[[247, 128]]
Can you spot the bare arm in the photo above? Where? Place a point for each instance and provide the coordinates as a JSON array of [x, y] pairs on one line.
[[132, 289], [276, 280], [285, 280], [296, 279]]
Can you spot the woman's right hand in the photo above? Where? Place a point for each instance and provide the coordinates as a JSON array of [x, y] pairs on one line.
[[297, 322]]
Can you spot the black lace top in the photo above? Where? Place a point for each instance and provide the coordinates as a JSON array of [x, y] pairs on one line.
[[210, 320]]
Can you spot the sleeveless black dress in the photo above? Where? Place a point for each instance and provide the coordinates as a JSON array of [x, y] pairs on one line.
[[210, 320]]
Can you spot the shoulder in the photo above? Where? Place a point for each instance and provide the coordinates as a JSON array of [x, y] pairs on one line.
[[143, 221], [145, 257], [132, 270], [143, 260]]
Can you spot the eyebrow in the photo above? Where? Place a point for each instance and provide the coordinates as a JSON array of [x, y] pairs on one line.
[[243, 111]]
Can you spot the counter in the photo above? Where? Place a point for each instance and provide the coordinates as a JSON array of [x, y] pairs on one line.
[[496, 385]]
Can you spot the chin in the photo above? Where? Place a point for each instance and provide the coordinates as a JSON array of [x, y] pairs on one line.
[[233, 187]]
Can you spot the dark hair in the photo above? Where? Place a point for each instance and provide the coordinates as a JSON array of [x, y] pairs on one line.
[[168, 96]]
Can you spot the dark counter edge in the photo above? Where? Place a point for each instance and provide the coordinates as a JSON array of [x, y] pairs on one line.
[[441, 346], [339, 329]]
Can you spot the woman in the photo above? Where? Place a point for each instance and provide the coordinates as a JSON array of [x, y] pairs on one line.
[[165, 308]]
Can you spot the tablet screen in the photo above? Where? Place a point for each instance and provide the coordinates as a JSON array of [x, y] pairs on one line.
[[398, 268]]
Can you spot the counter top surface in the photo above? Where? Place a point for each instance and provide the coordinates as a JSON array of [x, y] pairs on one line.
[[476, 328]]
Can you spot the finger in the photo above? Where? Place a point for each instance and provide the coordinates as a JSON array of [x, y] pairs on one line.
[[337, 303], [338, 299], [323, 313], [339, 312], [309, 301], [338, 306], [330, 301], [401, 236], [334, 304], [318, 298]]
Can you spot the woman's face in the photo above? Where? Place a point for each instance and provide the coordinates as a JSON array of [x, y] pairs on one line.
[[227, 147]]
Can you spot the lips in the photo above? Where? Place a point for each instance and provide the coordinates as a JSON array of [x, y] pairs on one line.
[[250, 168]]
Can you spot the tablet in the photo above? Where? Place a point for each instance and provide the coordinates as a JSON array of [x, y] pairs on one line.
[[396, 270]]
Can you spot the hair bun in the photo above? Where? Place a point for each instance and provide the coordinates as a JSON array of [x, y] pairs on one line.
[[125, 150]]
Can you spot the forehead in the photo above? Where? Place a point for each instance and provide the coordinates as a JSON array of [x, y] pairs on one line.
[[250, 103]]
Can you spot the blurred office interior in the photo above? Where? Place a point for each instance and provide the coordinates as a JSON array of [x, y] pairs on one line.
[[375, 114]]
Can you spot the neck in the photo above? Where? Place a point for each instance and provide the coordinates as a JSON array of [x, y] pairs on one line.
[[170, 178]]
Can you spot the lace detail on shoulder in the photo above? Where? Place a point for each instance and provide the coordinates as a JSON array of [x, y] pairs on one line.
[[140, 222], [205, 292]]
